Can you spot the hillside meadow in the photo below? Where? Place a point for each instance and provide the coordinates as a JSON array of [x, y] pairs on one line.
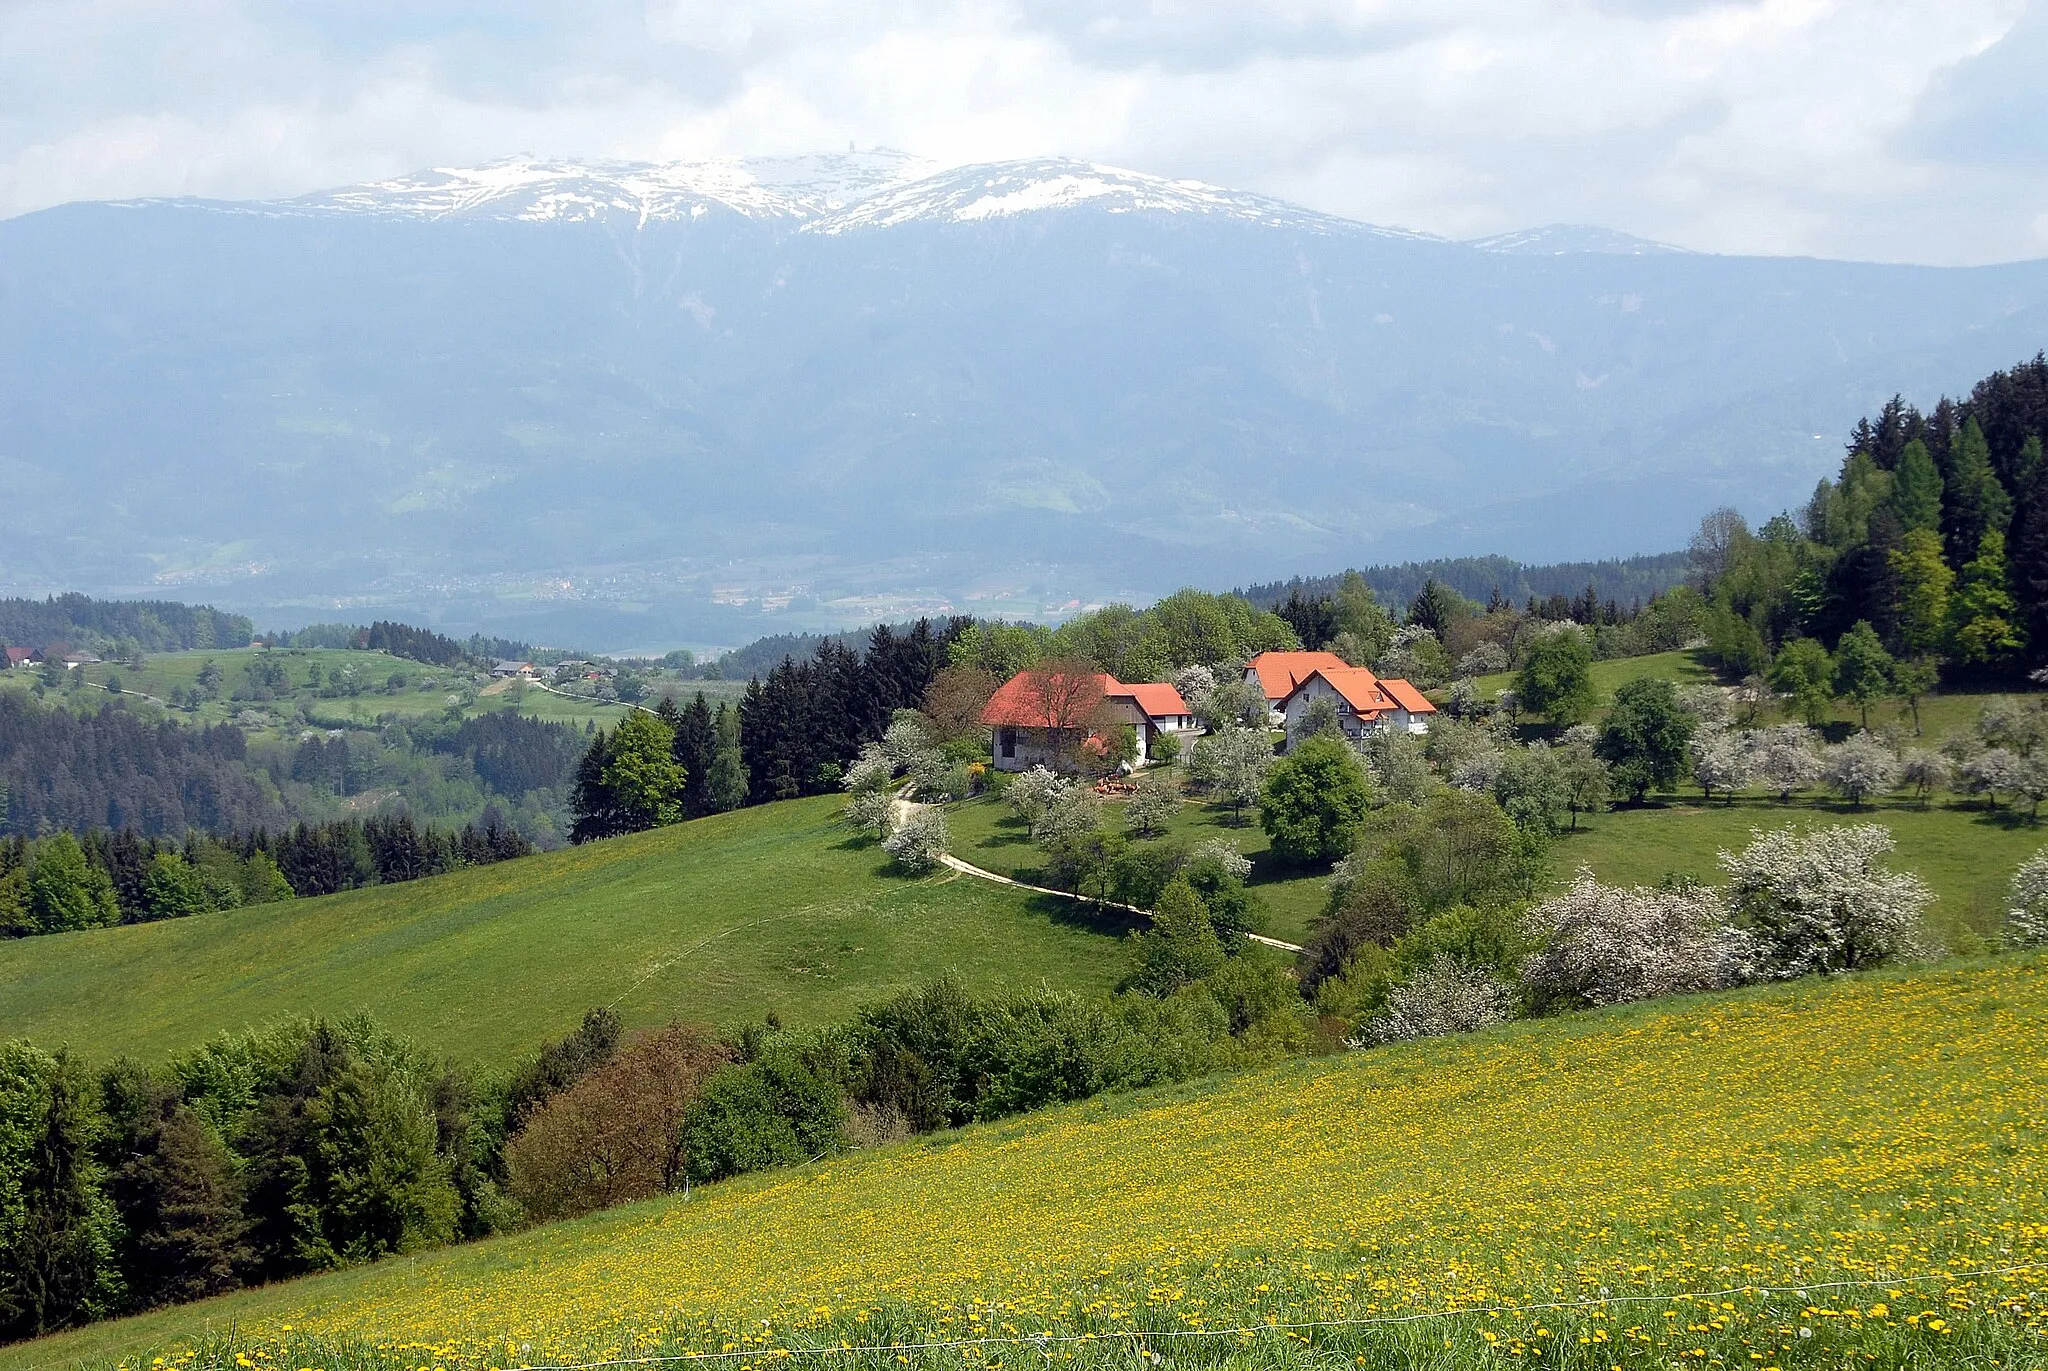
[[1965, 852], [777, 908], [1834, 1159]]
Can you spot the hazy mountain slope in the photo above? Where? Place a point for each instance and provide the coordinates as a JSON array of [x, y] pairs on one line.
[[588, 388]]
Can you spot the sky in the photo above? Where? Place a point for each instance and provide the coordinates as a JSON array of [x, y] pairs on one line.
[[1894, 130]]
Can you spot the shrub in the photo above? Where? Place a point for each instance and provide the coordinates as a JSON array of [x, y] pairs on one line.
[[1824, 900], [2026, 915], [1180, 948], [919, 843], [1314, 800], [1607, 945], [1166, 748], [772, 1112], [1442, 998], [559, 1064], [616, 1134]]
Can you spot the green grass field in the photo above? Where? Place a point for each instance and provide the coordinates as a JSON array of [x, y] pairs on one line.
[[1683, 667], [772, 908], [1965, 853], [1871, 1129], [989, 834]]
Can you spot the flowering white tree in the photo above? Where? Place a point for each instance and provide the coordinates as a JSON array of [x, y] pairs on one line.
[[1195, 684], [871, 809], [1477, 771], [2026, 915], [1074, 814], [1153, 807], [1224, 854], [1860, 767], [1784, 758], [1444, 997], [870, 770], [1036, 791], [1243, 756], [1487, 659], [1824, 900], [1609, 945], [1925, 771], [905, 739], [1707, 703], [918, 843], [1720, 761], [1991, 773]]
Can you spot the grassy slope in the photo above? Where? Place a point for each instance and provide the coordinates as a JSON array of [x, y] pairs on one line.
[[767, 908], [1789, 1133]]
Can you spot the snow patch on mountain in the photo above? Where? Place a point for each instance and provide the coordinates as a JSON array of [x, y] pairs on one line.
[[1558, 240], [998, 190]]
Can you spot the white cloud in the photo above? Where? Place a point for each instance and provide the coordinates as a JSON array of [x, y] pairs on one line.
[[1818, 126]]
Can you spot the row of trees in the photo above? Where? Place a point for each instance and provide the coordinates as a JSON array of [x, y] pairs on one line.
[[63, 883]]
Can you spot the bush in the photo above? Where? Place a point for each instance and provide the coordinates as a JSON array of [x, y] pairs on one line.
[[1824, 900], [1606, 945], [2026, 915], [1314, 799], [1442, 998], [919, 842], [772, 1112], [1180, 948], [616, 1134]]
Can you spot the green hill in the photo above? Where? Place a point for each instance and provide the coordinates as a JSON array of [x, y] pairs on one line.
[[773, 908], [1834, 1157]]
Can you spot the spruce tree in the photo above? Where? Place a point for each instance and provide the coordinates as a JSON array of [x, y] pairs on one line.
[[695, 748], [1916, 490], [2029, 542], [1985, 635], [57, 1264], [1977, 504], [180, 1200]]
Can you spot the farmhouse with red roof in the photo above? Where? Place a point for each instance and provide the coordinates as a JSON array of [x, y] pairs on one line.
[[1365, 702], [1046, 718]]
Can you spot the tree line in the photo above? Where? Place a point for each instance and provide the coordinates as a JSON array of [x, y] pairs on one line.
[[1932, 540], [116, 628], [63, 883]]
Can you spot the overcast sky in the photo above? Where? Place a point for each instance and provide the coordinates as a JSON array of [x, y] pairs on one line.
[[1892, 129]]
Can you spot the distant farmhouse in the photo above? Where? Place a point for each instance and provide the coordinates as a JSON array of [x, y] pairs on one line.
[[1048, 718], [1293, 681]]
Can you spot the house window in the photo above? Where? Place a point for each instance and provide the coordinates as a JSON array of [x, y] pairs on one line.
[[1007, 738]]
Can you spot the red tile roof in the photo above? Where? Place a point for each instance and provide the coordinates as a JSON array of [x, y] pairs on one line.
[[1280, 673], [1408, 697], [1156, 698], [1018, 704]]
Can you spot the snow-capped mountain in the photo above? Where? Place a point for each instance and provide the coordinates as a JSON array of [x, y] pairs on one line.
[[1004, 190], [526, 387], [1556, 240], [773, 188]]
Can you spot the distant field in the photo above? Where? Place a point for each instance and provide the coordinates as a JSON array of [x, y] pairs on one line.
[[1786, 1136], [1682, 667], [772, 908]]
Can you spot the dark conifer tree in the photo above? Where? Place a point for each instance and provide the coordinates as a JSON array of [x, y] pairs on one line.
[[696, 747], [184, 1237]]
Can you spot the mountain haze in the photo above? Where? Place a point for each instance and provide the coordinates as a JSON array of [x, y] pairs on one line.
[[638, 404]]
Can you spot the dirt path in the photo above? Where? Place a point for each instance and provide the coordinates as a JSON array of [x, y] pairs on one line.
[[906, 807]]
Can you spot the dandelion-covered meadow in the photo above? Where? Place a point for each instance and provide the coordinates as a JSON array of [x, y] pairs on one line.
[[1885, 1131]]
